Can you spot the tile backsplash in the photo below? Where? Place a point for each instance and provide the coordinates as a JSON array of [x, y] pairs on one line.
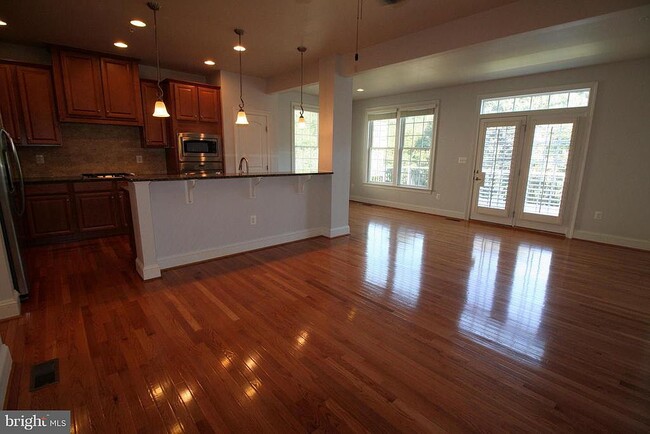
[[93, 148]]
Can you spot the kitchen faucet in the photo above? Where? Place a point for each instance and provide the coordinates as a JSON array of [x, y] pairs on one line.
[[241, 164]]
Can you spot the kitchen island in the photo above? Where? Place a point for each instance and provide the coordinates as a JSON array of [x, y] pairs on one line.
[[183, 219]]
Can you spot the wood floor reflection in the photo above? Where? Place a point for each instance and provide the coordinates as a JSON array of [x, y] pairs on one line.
[[413, 323]]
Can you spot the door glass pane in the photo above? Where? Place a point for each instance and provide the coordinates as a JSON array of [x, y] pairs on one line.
[[548, 168], [497, 161]]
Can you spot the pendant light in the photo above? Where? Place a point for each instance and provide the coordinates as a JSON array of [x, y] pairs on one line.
[[241, 114], [301, 119], [160, 111]]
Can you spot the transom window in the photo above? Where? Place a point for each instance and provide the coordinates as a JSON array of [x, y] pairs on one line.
[[305, 140], [401, 147], [537, 101]]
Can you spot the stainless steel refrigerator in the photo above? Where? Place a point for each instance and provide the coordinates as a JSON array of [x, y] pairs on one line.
[[12, 207]]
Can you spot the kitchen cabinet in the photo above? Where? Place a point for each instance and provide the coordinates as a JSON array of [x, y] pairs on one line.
[[155, 129], [37, 105], [71, 211], [185, 102], [8, 100], [94, 88], [48, 211], [195, 102], [27, 104]]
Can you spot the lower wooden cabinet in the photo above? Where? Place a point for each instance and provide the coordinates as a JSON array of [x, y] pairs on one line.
[[49, 216], [65, 211]]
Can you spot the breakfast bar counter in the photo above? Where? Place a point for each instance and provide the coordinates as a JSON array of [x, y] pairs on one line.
[[183, 219]]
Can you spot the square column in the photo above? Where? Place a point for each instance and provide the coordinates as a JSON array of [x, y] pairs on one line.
[[335, 139]]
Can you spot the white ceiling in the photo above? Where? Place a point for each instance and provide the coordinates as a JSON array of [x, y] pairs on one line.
[[606, 38], [414, 45], [192, 30]]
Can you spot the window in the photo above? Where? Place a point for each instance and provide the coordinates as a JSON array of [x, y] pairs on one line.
[[401, 147], [537, 101], [305, 140]]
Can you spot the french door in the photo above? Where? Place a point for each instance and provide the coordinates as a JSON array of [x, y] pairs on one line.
[[523, 171]]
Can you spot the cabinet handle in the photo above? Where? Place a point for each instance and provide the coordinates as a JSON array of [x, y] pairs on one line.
[[98, 110]]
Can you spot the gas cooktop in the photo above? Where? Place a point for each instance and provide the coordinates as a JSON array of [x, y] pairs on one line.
[[107, 175]]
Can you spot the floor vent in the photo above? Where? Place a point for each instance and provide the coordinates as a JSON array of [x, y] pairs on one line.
[[43, 374]]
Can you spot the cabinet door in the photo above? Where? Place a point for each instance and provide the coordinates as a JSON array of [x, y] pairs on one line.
[[155, 129], [96, 211], [37, 104], [8, 102], [82, 84], [186, 102], [119, 83], [209, 104], [49, 216]]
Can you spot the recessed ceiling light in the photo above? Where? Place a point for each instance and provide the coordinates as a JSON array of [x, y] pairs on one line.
[[138, 23], [239, 48], [2, 23], [209, 62], [120, 44], [360, 90]]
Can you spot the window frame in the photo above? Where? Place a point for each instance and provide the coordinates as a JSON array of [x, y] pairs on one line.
[[399, 144], [308, 108]]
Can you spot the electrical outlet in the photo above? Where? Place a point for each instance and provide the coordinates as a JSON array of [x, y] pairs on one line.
[[138, 159], [598, 215], [437, 196], [462, 160], [40, 159], [253, 219]]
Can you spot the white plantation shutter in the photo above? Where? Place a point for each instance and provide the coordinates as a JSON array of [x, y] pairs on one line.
[[497, 163], [548, 169]]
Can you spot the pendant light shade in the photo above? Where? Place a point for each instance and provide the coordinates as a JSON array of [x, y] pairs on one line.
[[301, 120], [241, 114], [160, 111], [241, 117]]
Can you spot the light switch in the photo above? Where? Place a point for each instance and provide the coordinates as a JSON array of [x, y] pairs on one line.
[[138, 159], [462, 160]]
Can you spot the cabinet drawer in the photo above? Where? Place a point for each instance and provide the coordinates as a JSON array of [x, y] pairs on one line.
[[93, 186], [40, 189]]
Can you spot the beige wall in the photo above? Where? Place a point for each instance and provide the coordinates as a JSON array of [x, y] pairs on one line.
[[616, 180]]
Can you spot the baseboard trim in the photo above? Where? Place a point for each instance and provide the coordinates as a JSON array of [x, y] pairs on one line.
[[6, 364], [149, 272], [612, 239], [410, 207], [232, 249], [336, 232], [10, 307]]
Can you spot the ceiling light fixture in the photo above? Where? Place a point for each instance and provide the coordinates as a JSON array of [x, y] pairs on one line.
[[120, 44], [241, 114], [138, 23], [361, 90], [2, 23], [160, 111], [209, 62], [301, 119]]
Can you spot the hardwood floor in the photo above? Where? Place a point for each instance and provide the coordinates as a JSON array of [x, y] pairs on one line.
[[413, 323]]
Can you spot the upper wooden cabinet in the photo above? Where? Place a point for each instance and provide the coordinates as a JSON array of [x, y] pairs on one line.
[[93, 88], [155, 129], [27, 104], [195, 102]]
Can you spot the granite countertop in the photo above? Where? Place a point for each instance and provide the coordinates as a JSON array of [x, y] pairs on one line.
[[214, 175], [166, 177]]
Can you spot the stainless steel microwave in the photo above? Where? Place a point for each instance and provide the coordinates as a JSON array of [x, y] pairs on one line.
[[199, 147]]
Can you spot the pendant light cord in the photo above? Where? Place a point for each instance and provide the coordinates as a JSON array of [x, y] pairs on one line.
[[302, 74], [155, 33], [241, 91], [359, 17]]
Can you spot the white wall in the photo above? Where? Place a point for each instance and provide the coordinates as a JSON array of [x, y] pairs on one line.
[[9, 304], [616, 181]]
